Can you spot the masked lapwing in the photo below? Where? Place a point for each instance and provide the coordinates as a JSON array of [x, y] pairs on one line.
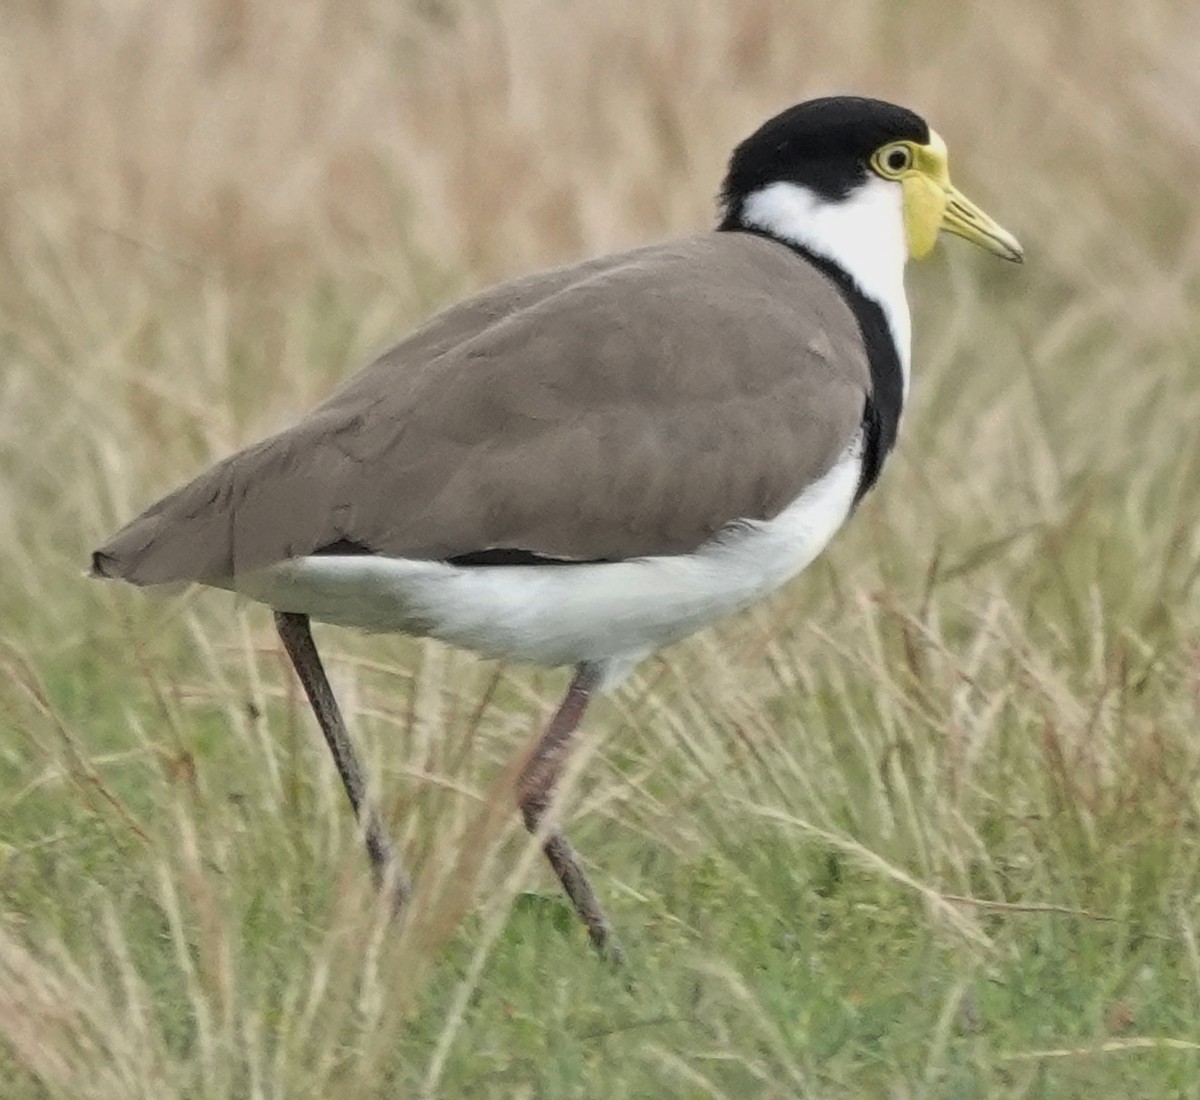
[[580, 466]]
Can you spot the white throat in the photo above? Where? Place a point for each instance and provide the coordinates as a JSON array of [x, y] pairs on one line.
[[863, 234]]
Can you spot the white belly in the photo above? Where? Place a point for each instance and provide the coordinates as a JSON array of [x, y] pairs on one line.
[[564, 614]]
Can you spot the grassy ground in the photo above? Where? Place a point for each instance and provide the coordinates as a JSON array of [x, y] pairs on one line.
[[924, 825]]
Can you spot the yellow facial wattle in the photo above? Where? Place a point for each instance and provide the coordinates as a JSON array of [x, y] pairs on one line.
[[932, 203]]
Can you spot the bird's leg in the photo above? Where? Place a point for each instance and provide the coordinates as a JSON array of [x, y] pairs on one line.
[[535, 788], [298, 641]]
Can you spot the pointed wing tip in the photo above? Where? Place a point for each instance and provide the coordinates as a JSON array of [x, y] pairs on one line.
[[102, 566]]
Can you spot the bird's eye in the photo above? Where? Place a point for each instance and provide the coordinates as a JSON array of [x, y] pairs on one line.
[[892, 160]]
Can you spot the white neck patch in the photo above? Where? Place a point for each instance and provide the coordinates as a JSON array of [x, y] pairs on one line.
[[863, 234]]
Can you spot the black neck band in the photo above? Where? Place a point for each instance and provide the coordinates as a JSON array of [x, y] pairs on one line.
[[881, 414]]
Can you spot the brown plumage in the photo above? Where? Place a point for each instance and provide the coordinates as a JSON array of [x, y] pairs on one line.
[[622, 407]]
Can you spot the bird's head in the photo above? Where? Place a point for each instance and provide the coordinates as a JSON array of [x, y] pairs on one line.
[[845, 176]]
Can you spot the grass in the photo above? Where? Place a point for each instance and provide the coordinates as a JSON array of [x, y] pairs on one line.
[[925, 824]]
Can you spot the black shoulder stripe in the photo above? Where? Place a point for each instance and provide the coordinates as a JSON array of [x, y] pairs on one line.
[[881, 415]]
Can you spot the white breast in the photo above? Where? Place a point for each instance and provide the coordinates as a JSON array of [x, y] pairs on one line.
[[562, 615]]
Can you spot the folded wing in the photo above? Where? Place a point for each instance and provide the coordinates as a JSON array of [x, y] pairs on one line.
[[624, 407]]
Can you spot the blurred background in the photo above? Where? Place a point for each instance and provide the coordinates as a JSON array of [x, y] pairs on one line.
[[924, 824]]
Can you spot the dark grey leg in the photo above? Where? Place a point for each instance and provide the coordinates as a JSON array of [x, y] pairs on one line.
[[298, 641], [535, 788]]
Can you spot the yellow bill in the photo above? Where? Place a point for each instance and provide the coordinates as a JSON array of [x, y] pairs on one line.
[[964, 219]]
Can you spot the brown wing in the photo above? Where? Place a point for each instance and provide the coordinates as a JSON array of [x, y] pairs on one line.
[[625, 407]]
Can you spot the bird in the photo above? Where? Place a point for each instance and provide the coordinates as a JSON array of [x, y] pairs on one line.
[[580, 466]]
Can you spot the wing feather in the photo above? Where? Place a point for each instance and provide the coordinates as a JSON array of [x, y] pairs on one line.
[[624, 407]]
